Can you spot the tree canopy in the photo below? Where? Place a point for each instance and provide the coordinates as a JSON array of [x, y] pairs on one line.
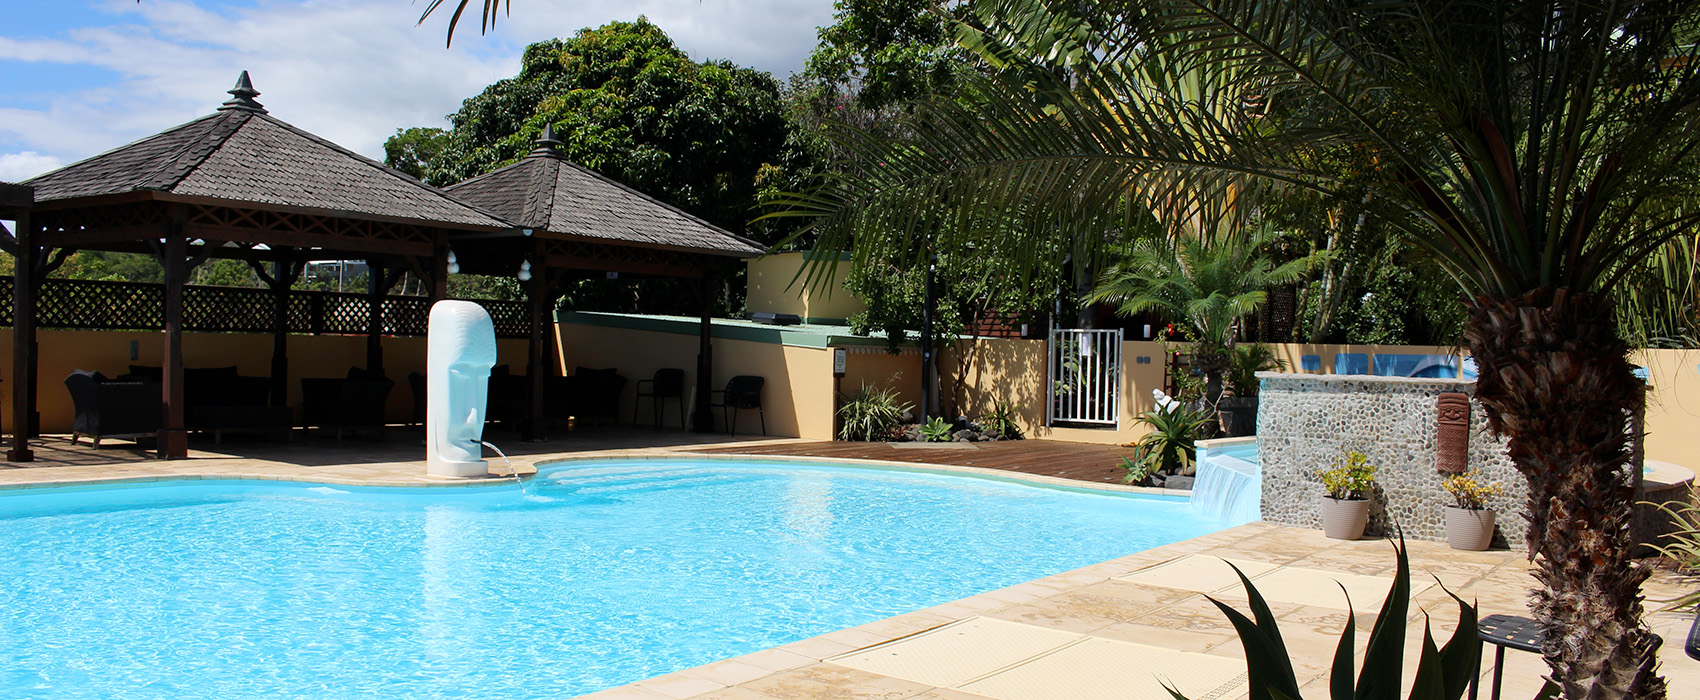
[[629, 104]]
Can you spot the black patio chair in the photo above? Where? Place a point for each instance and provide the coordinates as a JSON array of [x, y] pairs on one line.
[[667, 384], [742, 392], [108, 408]]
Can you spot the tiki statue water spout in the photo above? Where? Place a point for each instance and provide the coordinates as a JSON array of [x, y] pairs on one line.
[[462, 348]]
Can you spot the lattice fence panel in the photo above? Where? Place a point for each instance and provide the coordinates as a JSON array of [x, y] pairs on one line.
[[227, 309], [346, 313], [512, 319], [406, 316], [100, 305], [97, 305]]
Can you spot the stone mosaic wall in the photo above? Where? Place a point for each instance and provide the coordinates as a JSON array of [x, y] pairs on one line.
[[1306, 422]]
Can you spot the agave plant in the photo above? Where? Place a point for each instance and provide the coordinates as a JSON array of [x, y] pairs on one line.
[[1170, 446], [1442, 673], [871, 414]]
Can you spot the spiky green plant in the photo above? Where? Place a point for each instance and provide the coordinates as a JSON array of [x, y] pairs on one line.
[[1682, 546], [1442, 673], [1001, 420], [1170, 446], [871, 414], [937, 429]]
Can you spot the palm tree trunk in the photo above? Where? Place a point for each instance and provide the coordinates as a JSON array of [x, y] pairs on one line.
[[1556, 382]]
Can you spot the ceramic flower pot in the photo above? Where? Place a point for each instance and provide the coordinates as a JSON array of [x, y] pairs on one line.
[[1344, 519], [1469, 530]]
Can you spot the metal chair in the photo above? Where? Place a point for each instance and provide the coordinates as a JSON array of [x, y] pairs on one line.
[[741, 392], [667, 384], [1519, 633]]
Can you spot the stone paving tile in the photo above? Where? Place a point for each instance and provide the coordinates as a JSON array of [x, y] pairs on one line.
[[948, 694], [627, 692], [679, 685], [826, 681], [729, 672], [1055, 615], [1184, 640], [733, 693]]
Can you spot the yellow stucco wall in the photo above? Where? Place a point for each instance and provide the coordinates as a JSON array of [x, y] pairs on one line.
[[797, 396], [1015, 370], [1673, 405], [880, 369], [773, 287], [62, 352]]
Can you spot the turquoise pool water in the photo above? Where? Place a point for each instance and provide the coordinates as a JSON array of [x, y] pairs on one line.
[[606, 573]]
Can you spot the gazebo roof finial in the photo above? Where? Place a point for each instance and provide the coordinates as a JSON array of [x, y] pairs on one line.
[[244, 96], [547, 144]]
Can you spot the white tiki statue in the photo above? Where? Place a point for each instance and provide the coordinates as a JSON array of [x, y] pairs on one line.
[[462, 348]]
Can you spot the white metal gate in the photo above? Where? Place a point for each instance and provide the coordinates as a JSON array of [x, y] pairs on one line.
[[1083, 372]]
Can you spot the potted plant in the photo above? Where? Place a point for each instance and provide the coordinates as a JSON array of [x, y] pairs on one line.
[[1345, 507], [1239, 411], [1469, 524]]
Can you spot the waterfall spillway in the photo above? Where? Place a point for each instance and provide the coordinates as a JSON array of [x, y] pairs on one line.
[[1228, 485]]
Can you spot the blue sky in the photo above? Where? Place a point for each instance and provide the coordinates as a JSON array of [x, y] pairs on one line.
[[78, 77]]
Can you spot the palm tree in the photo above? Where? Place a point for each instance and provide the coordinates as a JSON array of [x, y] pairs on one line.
[[1211, 282], [492, 8], [1530, 148]]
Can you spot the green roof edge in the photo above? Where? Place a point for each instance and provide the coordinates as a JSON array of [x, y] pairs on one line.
[[726, 329]]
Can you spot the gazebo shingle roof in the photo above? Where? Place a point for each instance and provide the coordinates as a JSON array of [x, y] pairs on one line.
[[245, 155], [548, 193]]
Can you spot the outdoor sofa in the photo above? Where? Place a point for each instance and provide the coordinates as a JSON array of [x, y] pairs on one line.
[[218, 399], [355, 401]]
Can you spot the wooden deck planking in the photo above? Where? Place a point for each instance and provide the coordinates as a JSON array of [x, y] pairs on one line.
[[1070, 460]]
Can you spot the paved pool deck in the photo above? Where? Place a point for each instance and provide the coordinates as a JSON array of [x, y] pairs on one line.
[[1118, 629]]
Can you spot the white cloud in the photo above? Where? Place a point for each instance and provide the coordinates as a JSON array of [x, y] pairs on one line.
[[23, 166], [352, 72]]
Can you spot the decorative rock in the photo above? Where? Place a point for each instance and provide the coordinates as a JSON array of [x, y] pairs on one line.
[[1178, 482]]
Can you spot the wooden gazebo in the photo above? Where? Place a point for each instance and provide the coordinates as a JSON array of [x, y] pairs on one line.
[[570, 220], [242, 184]]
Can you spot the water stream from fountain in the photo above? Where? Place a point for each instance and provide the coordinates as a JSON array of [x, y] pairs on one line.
[[514, 474]]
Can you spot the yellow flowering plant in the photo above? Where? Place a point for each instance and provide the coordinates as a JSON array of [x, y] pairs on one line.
[[1351, 479], [1469, 491]]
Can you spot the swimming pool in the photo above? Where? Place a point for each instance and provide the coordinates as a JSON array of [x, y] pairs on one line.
[[606, 573]]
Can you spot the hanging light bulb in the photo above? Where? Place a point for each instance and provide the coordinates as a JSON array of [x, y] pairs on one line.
[[454, 264], [525, 271]]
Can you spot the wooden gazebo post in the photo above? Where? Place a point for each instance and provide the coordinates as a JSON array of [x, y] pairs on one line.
[[283, 277], [702, 420], [173, 439], [19, 198], [537, 298], [376, 290]]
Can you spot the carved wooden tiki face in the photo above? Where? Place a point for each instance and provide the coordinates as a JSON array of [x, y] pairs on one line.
[[1452, 439]]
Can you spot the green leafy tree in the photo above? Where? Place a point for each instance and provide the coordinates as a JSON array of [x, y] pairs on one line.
[[1532, 150], [630, 105], [412, 150], [879, 54]]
